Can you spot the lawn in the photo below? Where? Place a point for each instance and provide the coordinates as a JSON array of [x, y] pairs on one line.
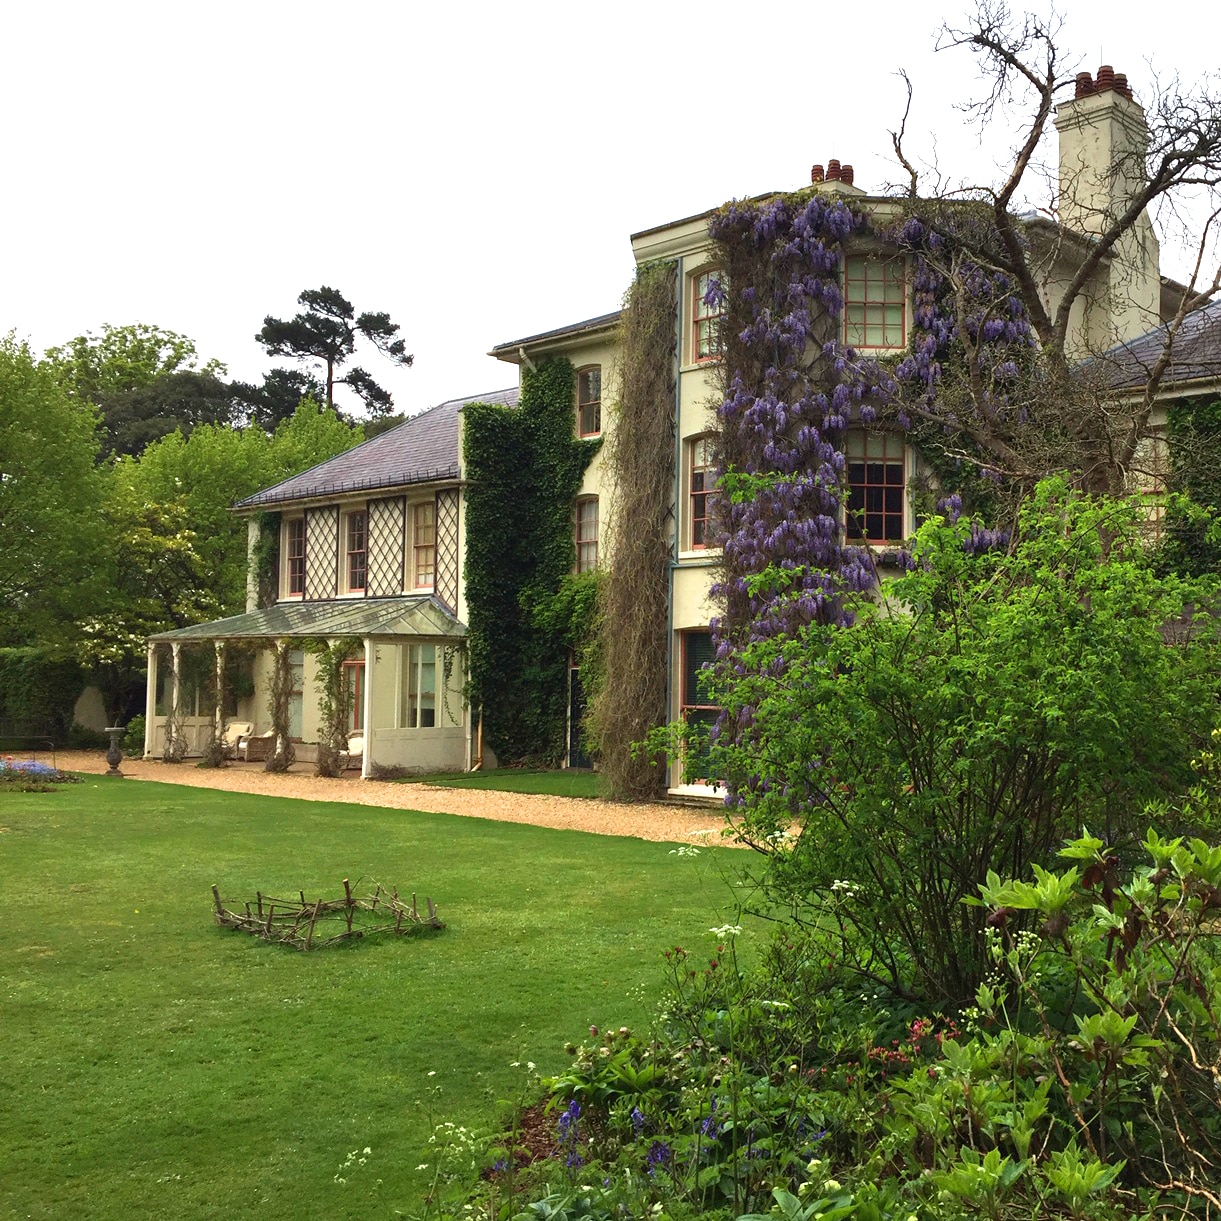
[[156, 1065], [566, 782]]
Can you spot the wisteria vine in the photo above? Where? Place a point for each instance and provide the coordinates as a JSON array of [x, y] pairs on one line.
[[792, 387]]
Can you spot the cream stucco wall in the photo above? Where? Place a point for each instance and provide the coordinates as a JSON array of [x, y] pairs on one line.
[[442, 747]]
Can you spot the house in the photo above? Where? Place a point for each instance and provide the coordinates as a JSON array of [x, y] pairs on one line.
[[371, 544], [366, 546], [1101, 127]]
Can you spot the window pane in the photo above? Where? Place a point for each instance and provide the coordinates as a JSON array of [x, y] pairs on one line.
[[876, 487], [698, 651], [875, 302], [424, 540], [589, 401]]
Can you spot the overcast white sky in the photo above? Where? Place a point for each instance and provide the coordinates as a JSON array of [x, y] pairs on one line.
[[475, 170]]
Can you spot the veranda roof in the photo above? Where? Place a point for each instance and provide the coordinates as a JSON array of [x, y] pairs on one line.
[[413, 615]]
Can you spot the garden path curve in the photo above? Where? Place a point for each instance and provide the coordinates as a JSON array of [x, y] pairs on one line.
[[660, 822]]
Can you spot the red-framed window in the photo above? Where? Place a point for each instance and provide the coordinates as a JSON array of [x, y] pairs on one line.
[[294, 551], [706, 318], [697, 708], [589, 401], [354, 677], [703, 491], [424, 544], [877, 487], [587, 534], [357, 536], [875, 302]]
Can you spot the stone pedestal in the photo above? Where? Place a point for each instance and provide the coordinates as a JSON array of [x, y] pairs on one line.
[[114, 756]]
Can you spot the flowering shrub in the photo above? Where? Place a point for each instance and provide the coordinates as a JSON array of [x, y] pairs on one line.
[[970, 721], [31, 775], [1080, 1083]]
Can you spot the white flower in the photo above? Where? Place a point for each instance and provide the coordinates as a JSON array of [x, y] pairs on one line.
[[726, 930]]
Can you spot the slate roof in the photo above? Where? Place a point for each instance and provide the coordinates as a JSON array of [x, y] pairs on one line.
[[509, 349], [1196, 355], [411, 615], [418, 450]]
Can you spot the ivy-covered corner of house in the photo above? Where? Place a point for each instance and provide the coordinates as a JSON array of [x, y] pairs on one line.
[[1192, 540], [524, 466], [265, 558]]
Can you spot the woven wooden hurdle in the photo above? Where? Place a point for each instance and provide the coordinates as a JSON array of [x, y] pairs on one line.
[[300, 922]]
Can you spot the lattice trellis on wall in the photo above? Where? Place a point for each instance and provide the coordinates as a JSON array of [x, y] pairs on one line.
[[446, 582], [321, 552], [387, 545]]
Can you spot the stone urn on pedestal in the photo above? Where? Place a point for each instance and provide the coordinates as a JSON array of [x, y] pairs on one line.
[[114, 755]]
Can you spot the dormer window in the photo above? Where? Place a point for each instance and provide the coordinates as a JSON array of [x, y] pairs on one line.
[[589, 401], [875, 302]]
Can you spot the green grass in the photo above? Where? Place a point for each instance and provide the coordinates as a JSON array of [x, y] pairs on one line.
[[568, 782], [156, 1065]]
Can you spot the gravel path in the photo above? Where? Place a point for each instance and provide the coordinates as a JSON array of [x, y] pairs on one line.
[[661, 822]]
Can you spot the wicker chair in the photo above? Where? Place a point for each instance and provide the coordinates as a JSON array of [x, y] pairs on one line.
[[232, 737], [257, 747], [354, 756]]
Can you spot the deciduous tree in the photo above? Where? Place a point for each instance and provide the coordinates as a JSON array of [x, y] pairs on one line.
[[50, 493]]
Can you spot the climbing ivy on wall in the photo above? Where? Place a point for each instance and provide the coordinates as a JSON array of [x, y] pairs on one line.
[[631, 700], [524, 465], [1193, 520], [265, 558]]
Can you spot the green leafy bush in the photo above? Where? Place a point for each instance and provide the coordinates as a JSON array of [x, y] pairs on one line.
[[1082, 1083], [982, 708]]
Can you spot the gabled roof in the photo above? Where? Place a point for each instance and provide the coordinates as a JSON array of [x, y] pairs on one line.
[[1195, 356], [418, 450], [411, 615]]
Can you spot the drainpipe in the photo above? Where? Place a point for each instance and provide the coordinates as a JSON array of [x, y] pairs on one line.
[[678, 493]]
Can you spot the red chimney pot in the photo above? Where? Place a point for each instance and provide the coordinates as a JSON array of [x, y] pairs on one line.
[[1085, 85], [845, 174], [816, 173], [1105, 79], [833, 170]]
